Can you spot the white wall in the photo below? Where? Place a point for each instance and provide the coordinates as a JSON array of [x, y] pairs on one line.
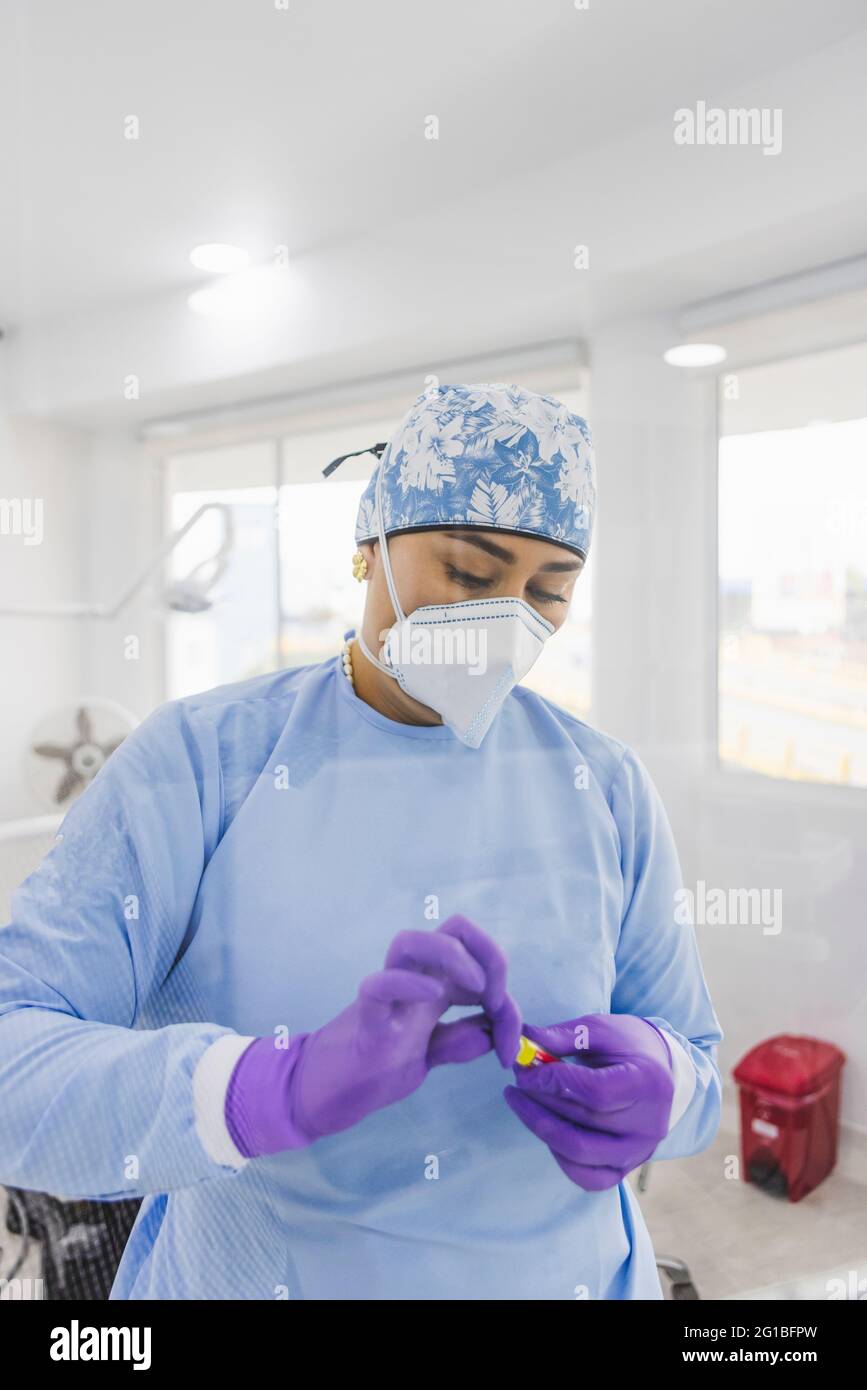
[[123, 532], [42, 660], [100, 509], [653, 673]]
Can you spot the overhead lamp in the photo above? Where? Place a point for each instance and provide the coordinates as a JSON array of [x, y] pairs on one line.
[[218, 258], [695, 355]]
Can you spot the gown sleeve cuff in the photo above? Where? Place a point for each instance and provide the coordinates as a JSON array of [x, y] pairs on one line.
[[210, 1084], [684, 1073]]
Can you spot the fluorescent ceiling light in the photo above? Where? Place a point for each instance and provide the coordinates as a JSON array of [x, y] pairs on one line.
[[219, 259], [167, 429], [772, 296], [563, 359], [695, 355]]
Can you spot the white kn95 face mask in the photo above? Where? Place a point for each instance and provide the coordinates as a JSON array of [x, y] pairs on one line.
[[460, 659]]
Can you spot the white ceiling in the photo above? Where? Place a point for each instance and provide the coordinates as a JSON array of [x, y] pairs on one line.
[[304, 127]]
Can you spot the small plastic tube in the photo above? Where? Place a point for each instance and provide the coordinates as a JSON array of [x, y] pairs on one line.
[[530, 1054]]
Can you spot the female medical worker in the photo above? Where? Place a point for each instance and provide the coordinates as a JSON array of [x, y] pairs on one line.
[[223, 990]]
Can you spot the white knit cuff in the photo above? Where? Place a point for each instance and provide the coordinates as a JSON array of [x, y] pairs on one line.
[[684, 1080], [211, 1078]]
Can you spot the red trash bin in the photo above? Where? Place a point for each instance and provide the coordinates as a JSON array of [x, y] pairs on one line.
[[790, 1113]]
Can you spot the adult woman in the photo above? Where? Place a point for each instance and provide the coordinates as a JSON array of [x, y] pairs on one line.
[[224, 988]]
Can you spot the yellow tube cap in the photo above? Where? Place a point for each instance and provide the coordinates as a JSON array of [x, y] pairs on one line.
[[527, 1052]]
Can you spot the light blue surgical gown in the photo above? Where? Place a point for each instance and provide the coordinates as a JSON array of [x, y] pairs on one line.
[[239, 865]]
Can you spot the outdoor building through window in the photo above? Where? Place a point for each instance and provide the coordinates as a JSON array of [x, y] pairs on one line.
[[792, 692]]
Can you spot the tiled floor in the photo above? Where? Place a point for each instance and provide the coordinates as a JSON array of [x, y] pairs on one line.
[[741, 1243]]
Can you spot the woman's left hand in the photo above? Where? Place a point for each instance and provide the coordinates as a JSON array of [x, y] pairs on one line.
[[603, 1114], [498, 1026]]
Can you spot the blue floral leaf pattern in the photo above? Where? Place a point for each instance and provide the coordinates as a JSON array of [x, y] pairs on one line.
[[488, 455], [491, 504]]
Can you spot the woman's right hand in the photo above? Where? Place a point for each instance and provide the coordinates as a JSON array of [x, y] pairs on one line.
[[380, 1048]]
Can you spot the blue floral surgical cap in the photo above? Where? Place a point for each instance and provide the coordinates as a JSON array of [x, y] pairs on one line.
[[492, 456]]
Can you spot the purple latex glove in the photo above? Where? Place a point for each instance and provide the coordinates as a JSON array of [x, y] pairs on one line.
[[603, 1114], [379, 1049]]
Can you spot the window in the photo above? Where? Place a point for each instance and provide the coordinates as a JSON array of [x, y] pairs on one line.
[[287, 596], [238, 635], [792, 585], [319, 598]]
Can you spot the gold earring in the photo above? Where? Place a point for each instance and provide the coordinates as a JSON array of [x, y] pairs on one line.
[[359, 566]]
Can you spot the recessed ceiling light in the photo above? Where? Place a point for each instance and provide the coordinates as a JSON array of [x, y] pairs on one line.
[[695, 355], [218, 258], [252, 294]]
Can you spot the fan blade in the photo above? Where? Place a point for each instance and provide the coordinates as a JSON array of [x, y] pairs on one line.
[[50, 750], [85, 728], [67, 785]]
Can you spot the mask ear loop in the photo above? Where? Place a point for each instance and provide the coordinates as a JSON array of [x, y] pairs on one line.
[[386, 563], [389, 577]]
